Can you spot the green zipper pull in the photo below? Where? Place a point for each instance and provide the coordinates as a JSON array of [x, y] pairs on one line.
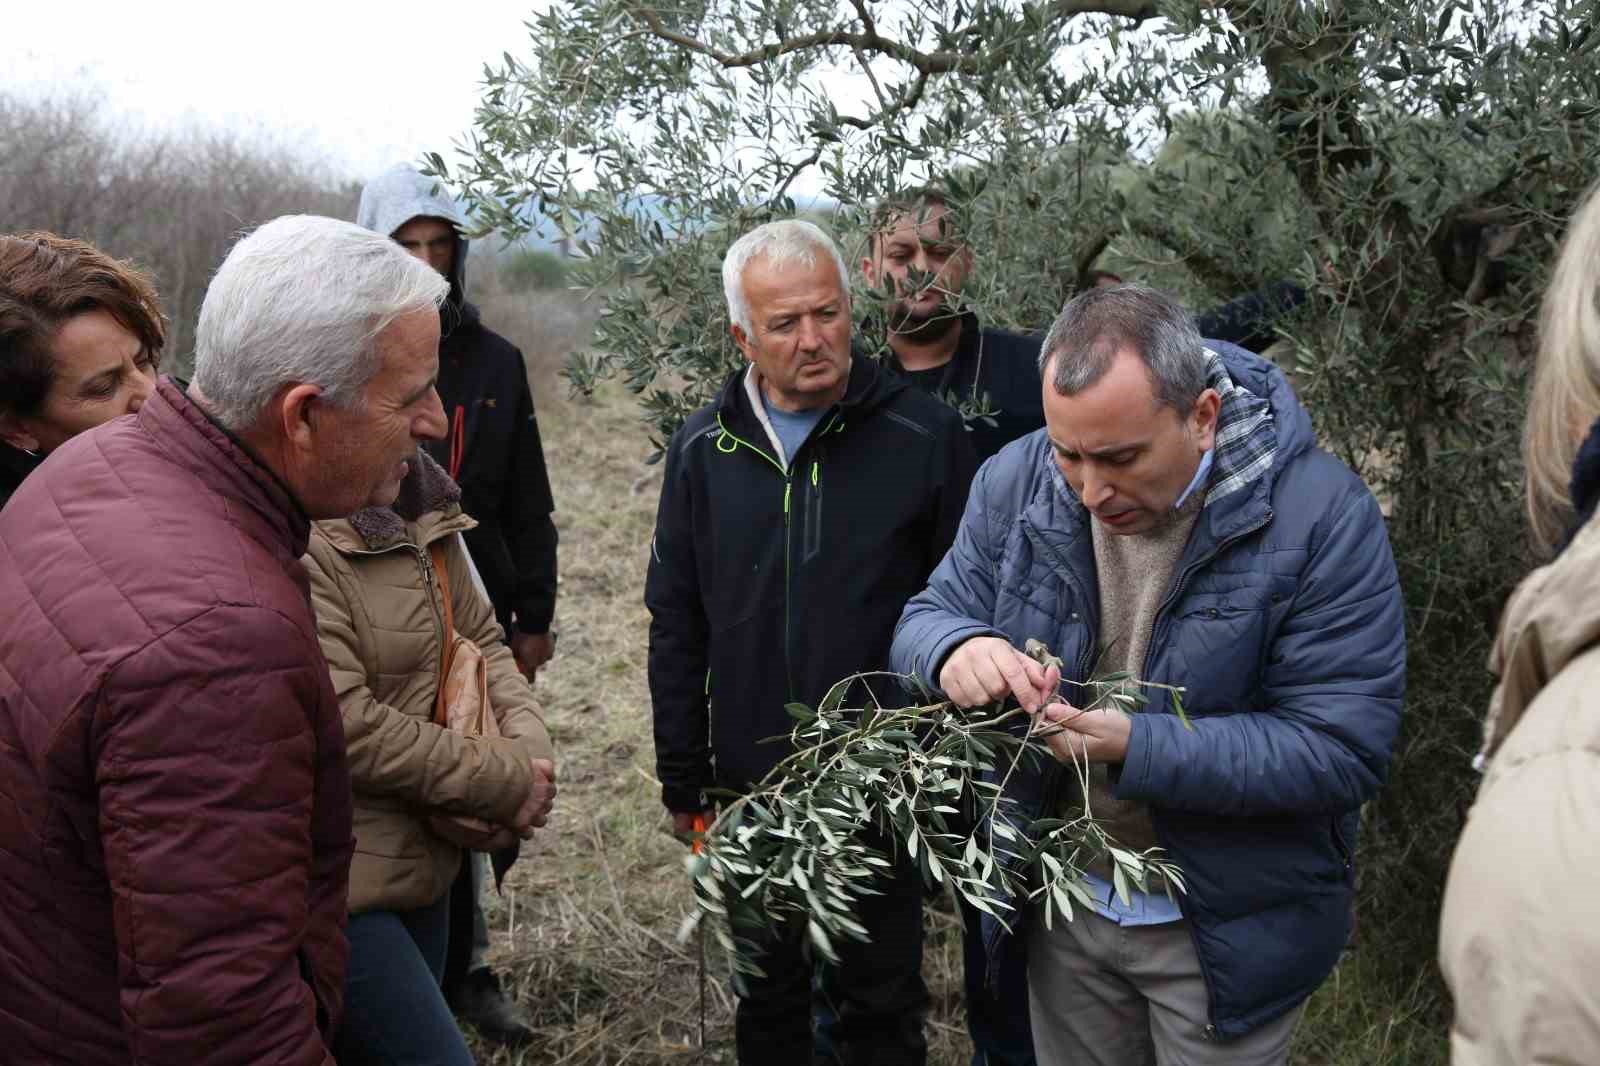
[[813, 473], [787, 485]]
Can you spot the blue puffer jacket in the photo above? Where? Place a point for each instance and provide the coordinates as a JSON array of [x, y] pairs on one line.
[[1284, 624]]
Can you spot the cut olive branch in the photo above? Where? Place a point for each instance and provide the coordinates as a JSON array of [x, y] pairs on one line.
[[867, 784]]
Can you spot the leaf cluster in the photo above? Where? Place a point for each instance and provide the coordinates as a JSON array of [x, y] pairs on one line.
[[870, 786]]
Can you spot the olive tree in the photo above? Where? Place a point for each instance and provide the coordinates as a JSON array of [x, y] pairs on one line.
[[1409, 166]]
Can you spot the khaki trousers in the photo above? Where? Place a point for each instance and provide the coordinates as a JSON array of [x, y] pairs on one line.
[[1102, 994]]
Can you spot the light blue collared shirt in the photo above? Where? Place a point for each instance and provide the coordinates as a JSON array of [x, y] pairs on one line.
[[1199, 478], [1142, 908]]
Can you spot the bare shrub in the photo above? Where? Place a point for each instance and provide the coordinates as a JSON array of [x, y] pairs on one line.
[[173, 202]]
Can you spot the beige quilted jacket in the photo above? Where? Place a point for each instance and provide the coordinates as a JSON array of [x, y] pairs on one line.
[[381, 622], [1520, 934]]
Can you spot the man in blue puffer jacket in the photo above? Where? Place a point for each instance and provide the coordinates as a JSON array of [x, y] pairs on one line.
[[1176, 519]]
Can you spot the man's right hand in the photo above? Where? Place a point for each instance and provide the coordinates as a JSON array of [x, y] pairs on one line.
[[535, 810], [683, 823], [987, 669]]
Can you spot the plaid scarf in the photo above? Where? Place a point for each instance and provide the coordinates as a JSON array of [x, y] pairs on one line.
[[1246, 443]]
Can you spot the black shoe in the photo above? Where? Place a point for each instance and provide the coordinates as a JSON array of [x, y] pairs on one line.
[[481, 1002]]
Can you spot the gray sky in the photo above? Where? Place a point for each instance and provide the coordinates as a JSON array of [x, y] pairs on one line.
[[364, 83]]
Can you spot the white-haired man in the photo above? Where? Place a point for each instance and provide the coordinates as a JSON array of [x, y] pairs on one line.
[[494, 452], [175, 811], [799, 511]]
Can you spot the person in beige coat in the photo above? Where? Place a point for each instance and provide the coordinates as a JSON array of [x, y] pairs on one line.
[[381, 621], [1520, 935]]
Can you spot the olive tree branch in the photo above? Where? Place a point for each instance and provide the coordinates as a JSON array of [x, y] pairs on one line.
[[870, 40]]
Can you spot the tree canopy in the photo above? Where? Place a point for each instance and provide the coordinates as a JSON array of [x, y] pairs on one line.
[[1409, 165]]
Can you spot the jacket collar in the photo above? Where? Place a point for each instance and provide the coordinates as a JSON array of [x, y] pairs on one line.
[[428, 508], [197, 442], [1551, 618], [869, 388]]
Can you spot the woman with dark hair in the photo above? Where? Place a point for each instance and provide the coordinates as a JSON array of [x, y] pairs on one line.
[[80, 337]]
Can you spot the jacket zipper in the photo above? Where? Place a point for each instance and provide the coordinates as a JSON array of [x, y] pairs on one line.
[[788, 484], [426, 563], [788, 531], [1162, 619], [1050, 794]]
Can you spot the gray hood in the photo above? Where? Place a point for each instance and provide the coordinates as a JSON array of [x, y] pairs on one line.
[[401, 194]]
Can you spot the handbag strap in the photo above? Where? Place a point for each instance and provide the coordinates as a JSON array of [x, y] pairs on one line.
[[441, 575]]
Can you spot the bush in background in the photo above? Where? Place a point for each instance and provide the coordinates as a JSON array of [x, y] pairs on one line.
[[174, 203], [532, 269]]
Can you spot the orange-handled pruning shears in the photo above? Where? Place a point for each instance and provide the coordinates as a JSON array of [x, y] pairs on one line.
[[697, 845], [699, 828]]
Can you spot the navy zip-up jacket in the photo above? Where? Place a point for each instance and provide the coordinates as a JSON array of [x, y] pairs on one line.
[[768, 585], [1284, 623]]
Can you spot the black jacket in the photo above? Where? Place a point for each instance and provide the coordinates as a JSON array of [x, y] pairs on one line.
[[766, 586], [494, 452], [1251, 320], [995, 370], [15, 465]]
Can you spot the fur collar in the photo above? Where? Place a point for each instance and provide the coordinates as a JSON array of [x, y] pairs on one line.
[[426, 488]]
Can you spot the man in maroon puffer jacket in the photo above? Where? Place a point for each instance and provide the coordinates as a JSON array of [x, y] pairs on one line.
[[175, 828]]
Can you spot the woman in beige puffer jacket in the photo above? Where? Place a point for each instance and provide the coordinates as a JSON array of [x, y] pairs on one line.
[[380, 618], [1520, 933]]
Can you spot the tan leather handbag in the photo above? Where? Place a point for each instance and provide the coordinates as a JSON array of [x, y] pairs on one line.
[[462, 704]]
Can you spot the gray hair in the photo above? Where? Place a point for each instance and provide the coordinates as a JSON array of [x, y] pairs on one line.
[[302, 300], [779, 243], [1098, 323]]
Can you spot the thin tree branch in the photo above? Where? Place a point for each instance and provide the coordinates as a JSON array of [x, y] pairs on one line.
[[871, 41], [795, 173], [901, 103], [866, 16]]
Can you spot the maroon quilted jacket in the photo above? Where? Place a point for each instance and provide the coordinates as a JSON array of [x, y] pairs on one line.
[[174, 806]]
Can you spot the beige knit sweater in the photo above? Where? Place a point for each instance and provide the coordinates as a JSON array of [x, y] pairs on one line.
[[1135, 574]]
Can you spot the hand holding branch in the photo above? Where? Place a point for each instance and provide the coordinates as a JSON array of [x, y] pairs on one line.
[[987, 669], [1096, 736]]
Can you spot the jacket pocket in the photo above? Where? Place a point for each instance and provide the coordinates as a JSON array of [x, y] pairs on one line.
[[811, 541]]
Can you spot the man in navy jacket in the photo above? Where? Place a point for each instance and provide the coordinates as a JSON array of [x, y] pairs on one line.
[[799, 511], [1175, 518]]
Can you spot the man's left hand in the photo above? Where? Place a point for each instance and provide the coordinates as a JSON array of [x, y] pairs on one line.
[[532, 650], [1098, 736]]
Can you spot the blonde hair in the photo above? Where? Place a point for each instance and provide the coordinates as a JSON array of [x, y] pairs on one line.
[[1565, 399]]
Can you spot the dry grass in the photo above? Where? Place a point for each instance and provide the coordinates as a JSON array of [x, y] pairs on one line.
[[585, 933]]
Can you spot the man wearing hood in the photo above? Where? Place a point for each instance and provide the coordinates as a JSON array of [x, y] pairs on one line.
[[493, 451], [800, 509]]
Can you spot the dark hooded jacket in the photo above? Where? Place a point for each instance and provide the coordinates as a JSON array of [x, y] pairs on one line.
[[768, 583], [493, 449], [1285, 625], [175, 813], [993, 371]]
